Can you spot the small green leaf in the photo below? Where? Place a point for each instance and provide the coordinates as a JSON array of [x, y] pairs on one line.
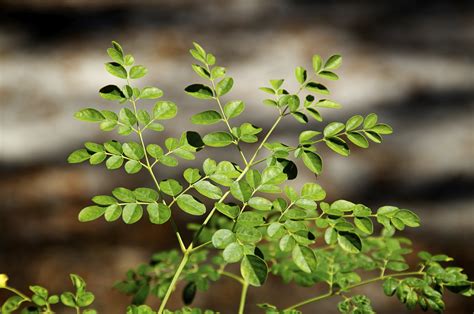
[[206, 117], [313, 192], [231, 211], [354, 122], [104, 200], [382, 129], [158, 213], [349, 241], [201, 71], [273, 228], [358, 139], [333, 129], [338, 145], [138, 71], [151, 93], [317, 88], [124, 194], [114, 162], [217, 72], [287, 242], [146, 194], [260, 203], [370, 121], [328, 75], [154, 150], [133, 150], [113, 212], [91, 213], [313, 161], [333, 62], [254, 270], [218, 139], [133, 166], [301, 75], [199, 91], [222, 238], [273, 175], [364, 224], [208, 189], [233, 253], [408, 218], [234, 108], [317, 63], [171, 187], [89, 115], [191, 175], [326, 103], [132, 213], [304, 258], [241, 191], [116, 69], [390, 285], [68, 299], [111, 92], [306, 136], [78, 156], [164, 110], [224, 86], [191, 205]]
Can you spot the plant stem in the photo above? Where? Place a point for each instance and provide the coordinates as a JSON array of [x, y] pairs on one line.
[[362, 283], [175, 279], [243, 297], [233, 276], [15, 291], [150, 170], [224, 117], [209, 216]]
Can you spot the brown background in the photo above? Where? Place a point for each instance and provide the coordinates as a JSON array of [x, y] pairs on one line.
[[409, 61]]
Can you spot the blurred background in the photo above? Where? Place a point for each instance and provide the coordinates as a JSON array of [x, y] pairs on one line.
[[412, 62]]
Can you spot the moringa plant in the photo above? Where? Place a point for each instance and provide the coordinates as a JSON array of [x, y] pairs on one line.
[[251, 216]]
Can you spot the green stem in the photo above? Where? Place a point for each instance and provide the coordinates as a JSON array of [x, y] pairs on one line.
[[243, 297], [224, 117], [150, 170], [209, 216], [362, 283], [15, 291], [233, 276], [175, 279]]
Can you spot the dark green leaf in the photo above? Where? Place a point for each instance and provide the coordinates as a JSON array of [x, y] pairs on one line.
[[304, 258], [111, 92], [313, 161], [349, 241], [116, 69], [254, 270], [333, 62], [199, 91]]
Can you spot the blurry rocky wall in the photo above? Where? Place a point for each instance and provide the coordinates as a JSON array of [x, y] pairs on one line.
[[412, 62]]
